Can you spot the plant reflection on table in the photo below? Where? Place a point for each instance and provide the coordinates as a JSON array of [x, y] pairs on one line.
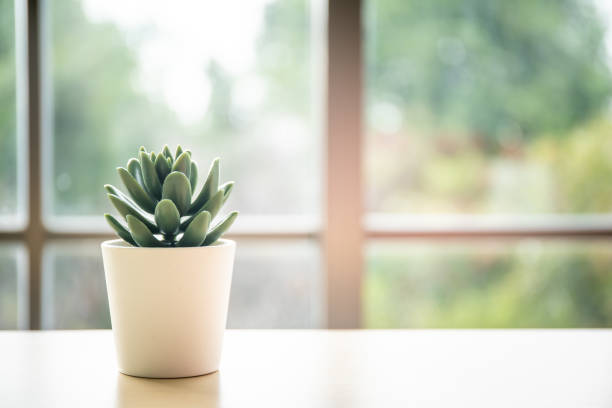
[[202, 391]]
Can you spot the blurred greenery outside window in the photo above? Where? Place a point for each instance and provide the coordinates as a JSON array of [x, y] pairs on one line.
[[473, 107], [498, 109]]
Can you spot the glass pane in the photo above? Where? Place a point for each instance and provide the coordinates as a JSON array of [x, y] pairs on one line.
[[236, 85], [492, 283], [275, 285], [10, 113], [73, 287], [488, 106], [13, 288]]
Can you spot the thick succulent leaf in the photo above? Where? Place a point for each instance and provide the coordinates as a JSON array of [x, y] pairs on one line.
[[123, 233], [167, 153], [196, 231], [193, 175], [142, 149], [115, 191], [149, 174], [169, 161], [182, 164], [220, 228], [179, 151], [134, 168], [167, 217], [177, 188], [126, 208], [138, 194], [227, 189], [162, 167], [188, 152], [210, 187], [141, 234], [153, 156], [212, 206]]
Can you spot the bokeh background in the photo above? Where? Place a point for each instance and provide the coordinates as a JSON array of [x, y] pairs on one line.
[[476, 113]]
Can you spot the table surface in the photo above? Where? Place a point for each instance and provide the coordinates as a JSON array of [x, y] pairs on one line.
[[293, 368]]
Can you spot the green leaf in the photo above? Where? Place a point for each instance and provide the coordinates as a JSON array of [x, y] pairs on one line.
[[227, 189], [193, 175], [167, 217], [182, 164], [177, 188], [142, 149], [152, 157], [196, 231], [138, 194], [149, 174], [134, 168], [162, 167], [126, 208], [210, 187], [212, 206], [141, 234], [167, 153], [120, 229], [115, 191], [169, 161], [179, 151], [220, 228]]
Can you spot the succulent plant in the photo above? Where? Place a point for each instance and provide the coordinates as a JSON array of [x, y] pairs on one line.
[[162, 209]]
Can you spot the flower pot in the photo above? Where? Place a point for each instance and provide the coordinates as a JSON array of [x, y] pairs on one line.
[[168, 306]]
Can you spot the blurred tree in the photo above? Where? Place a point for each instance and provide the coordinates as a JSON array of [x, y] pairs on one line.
[[8, 108], [99, 117], [490, 66]]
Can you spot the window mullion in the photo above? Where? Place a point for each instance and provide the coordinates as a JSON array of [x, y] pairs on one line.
[[343, 228]]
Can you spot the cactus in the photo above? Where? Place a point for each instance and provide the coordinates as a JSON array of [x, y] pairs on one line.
[[161, 209]]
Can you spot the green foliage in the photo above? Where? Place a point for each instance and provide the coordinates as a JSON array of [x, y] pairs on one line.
[[159, 210], [487, 66]]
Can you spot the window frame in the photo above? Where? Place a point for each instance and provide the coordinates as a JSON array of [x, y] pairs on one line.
[[345, 226]]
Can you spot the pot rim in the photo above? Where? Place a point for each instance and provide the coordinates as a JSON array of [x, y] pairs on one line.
[[122, 245]]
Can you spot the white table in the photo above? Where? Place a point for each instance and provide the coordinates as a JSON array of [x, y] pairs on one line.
[[269, 368]]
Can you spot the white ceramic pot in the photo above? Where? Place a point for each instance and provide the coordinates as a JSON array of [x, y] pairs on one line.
[[168, 306]]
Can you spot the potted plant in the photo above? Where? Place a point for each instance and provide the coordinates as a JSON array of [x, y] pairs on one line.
[[168, 277]]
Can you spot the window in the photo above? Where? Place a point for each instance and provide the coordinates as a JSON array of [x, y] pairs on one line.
[[12, 100], [478, 196]]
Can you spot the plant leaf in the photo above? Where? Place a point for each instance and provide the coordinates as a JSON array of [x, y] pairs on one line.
[[212, 206], [125, 208], [220, 228], [138, 194], [193, 175], [227, 189], [179, 151], [167, 217], [210, 187], [134, 168], [162, 167], [120, 229], [177, 188], [182, 164], [141, 234], [167, 153], [115, 191], [149, 174], [196, 231]]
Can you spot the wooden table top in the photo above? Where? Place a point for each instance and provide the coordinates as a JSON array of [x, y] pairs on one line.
[[272, 368]]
